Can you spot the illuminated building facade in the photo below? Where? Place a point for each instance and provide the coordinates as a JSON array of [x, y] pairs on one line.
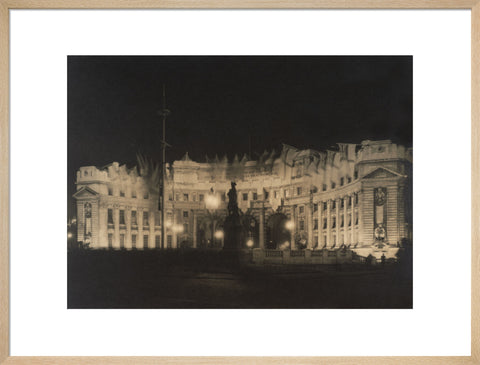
[[356, 196]]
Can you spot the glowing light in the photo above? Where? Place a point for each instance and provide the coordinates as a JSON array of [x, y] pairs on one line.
[[218, 235], [285, 245], [177, 228], [168, 224], [290, 225], [250, 243], [212, 202], [69, 235]]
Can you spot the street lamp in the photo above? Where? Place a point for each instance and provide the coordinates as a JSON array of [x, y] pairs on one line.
[[290, 225], [212, 202]]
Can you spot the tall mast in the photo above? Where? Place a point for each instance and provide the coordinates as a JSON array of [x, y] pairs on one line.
[[161, 196]]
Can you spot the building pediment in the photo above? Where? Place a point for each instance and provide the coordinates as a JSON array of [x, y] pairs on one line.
[[382, 173], [85, 193]]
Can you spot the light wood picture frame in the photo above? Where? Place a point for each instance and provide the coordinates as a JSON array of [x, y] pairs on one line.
[[7, 5]]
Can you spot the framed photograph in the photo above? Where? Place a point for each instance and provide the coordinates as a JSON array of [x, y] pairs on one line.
[[261, 183]]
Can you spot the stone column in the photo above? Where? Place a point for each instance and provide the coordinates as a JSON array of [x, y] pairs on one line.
[[309, 222], [352, 215], [320, 224], [337, 213], [139, 244], [151, 226], [128, 221], [345, 220], [194, 228], [329, 222], [116, 225], [261, 242], [360, 218]]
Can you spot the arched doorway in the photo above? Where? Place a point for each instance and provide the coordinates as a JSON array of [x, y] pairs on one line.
[[277, 234]]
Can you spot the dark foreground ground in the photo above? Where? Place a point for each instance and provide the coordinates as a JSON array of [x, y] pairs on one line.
[[211, 279]]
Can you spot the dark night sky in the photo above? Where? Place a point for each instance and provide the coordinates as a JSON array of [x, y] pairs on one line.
[[219, 103]]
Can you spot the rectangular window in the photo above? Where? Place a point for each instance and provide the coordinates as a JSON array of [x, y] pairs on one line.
[[177, 197], [287, 193], [194, 197], [157, 241], [185, 214], [334, 204], [299, 191], [245, 196], [325, 206], [334, 222], [355, 175], [224, 197], [341, 221], [122, 193], [110, 191], [342, 181], [275, 194], [201, 197], [185, 197], [122, 240], [145, 195], [255, 196], [110, 240], [333, 185], [170, 197], [110, 216], [324, 223], [356, 199], [134, 240], [324, 187], [266, 194], [349, 180], [302, 224], [134, 217], [315, 208], [157, 219], [342, 203], [185, 227], [324, 240], [122, 216], [349, 201], [134, 194], [349, 220], [145, 241], [145, 219], [315, 224], [301, 209], [169, 241], [356, 219]]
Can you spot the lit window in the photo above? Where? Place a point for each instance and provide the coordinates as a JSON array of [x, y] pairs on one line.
[[122, 216], [110, 216], [185, 214], [134, 217], [245, 196], [145, 219]]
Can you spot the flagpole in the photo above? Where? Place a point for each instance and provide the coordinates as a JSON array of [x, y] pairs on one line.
[[161, 196]]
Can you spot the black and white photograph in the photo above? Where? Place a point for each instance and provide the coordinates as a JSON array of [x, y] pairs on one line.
[[240, 182]]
